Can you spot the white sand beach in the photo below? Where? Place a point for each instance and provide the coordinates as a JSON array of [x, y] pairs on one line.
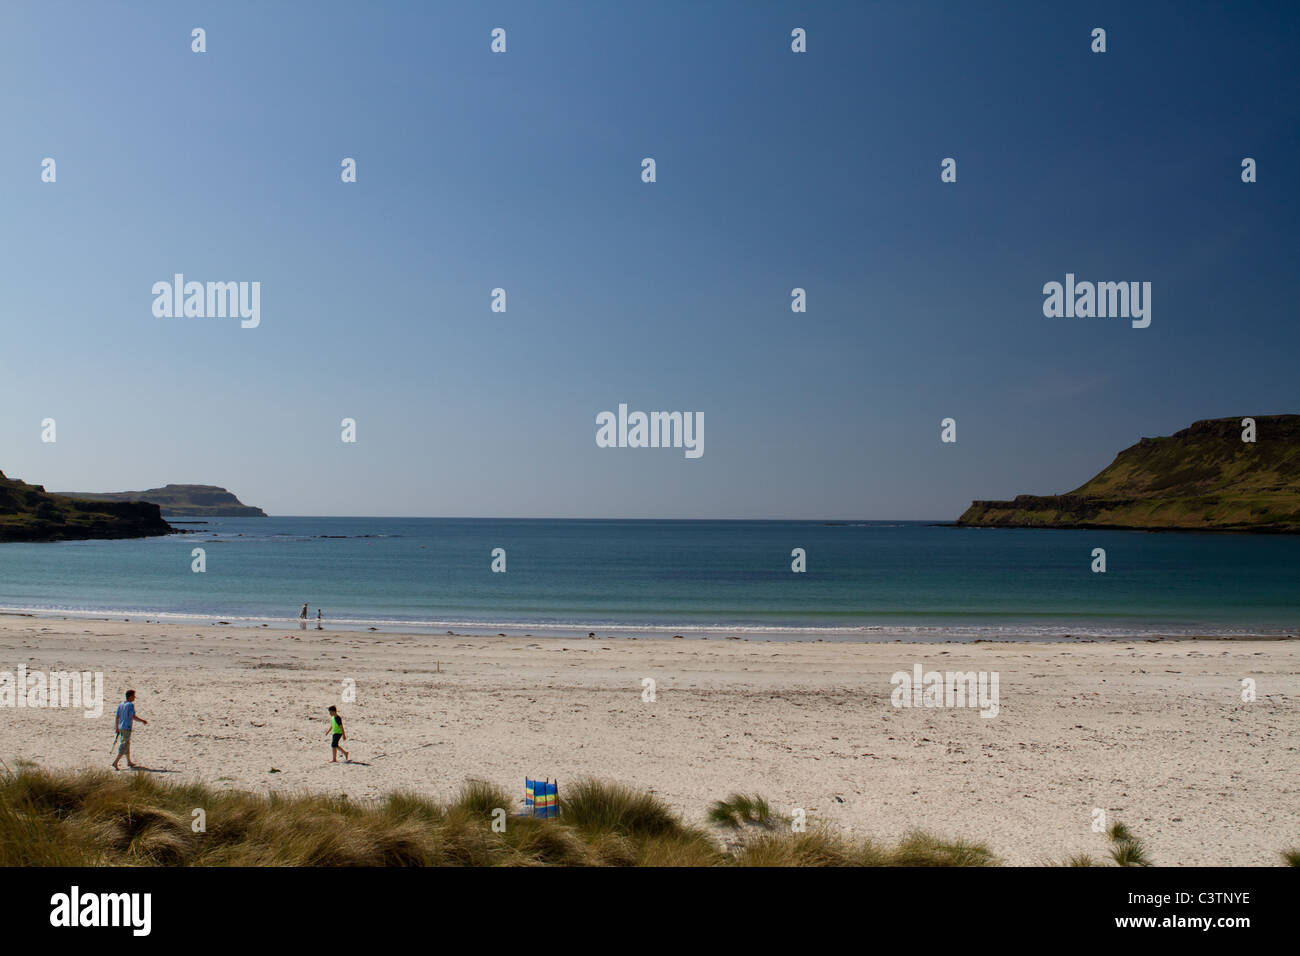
[[1154, 733]]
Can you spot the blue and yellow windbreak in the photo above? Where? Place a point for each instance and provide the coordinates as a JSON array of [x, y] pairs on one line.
[[542, 797]]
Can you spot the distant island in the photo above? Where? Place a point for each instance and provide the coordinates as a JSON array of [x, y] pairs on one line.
[[30, 513], [181, 501], [1203, 478]]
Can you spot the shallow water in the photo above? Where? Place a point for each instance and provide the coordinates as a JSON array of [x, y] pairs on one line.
[[864, 580]]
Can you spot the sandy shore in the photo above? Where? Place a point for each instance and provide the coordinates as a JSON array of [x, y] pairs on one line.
[[1154, 733]]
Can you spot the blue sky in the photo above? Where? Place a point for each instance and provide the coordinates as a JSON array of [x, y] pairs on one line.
[[522, 171]]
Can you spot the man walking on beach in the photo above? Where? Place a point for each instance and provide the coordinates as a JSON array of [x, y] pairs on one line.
[[302, 617], [126, 719]]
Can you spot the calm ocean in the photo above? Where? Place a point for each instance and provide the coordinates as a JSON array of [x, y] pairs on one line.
[[865, 580]]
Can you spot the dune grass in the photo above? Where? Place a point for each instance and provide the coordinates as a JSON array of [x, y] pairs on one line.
[[820, 846], [1126, 849], [101, 818], [740, 810]]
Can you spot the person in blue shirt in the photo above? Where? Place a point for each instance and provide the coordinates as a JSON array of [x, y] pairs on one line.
[[126, 719]]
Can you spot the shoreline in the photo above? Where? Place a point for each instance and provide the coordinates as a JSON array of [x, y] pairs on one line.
[[1154, 733], [872, 634]]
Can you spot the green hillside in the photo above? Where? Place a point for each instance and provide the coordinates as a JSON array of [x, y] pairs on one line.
[[30, 513], [1201, 478], [182, 501]]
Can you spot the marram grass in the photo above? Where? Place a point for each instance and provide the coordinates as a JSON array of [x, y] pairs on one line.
[[1126, 849], [740, 810], [100, 818]]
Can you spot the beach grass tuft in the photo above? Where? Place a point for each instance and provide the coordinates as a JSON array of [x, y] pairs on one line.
[[819, 845], [1126, 849], [740, 810], [599, 806], [482, 798]]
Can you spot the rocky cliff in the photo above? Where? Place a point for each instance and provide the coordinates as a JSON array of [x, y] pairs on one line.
[[30, 513]]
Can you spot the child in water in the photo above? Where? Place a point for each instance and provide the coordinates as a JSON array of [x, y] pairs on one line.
[[336, 728]]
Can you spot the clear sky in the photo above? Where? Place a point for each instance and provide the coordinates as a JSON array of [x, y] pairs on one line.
[[522, 170]]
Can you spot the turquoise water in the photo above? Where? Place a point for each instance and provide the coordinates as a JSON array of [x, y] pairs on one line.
[[865, 580]]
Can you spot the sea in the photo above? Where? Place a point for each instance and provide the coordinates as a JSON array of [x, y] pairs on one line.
[[864, 580]]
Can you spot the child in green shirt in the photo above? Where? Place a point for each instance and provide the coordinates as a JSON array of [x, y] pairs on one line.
[[336, 728]]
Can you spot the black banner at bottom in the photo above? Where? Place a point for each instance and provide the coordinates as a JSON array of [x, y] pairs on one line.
[[337, 906]]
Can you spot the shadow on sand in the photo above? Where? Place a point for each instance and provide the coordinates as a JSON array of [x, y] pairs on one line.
[[141, 768]]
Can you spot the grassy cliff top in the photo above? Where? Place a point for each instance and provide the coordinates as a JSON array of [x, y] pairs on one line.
[[182, 500], [1202, 478], [30, 513], [1207, 458]]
